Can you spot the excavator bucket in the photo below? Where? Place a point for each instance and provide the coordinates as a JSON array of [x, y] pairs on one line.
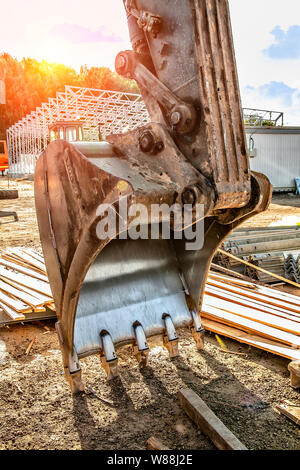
[[129, 227]]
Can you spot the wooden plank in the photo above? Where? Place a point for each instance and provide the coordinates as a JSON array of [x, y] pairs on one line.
[[34, 254], [208, 422], [12, 313], [231, 273], [257, 268], [250, 325], [23, 270], [15, 304], [29, 259], [21, 295], [27, 281], [251, 339], [290, 411], [41, 298], [51, 306], [255, 295], [16, 260], [239, 299], [279, 319], [155, 444], [267, 291]]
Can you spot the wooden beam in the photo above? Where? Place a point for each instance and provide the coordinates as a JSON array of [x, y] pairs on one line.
[[294, 368], [292, 412], [155, 444], [208, 422]]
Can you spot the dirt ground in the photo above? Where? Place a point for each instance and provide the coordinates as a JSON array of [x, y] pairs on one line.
[[37, 410]]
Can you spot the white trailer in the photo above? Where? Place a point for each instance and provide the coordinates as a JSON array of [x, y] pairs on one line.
[[275, 152]]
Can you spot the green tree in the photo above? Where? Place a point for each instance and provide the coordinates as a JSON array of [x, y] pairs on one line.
[[29, 83]]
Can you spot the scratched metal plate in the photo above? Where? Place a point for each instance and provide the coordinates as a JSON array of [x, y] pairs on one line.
[[129, 281]]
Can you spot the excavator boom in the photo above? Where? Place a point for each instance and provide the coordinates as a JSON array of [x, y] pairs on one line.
[[117, 275]]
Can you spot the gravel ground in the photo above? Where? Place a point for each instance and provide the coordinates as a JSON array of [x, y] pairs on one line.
[[37, 410]]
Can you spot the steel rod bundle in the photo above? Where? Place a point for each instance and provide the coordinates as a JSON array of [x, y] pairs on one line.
[[275, 249]]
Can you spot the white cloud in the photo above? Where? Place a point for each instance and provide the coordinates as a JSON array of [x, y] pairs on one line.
[[253, 24]]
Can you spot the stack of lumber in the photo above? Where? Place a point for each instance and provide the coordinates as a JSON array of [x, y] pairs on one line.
[[260, 316], [25, 292]]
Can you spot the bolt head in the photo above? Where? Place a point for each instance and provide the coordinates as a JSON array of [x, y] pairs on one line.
[[189, 197], [159, 146], [175, 118], [120, 63], [147, 142]]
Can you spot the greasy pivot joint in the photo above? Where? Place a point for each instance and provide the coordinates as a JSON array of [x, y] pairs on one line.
[[125, 63], [181, 115], [192, 195], [149, 144], [183, 118]]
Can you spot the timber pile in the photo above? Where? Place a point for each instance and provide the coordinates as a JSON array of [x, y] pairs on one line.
[[260, 316], [25, 292]]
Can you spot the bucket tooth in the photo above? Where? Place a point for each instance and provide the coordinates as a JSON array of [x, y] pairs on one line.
[[170, 337], [197, 331], [109, 358], [75, 382], [72, 367], [140, 348]]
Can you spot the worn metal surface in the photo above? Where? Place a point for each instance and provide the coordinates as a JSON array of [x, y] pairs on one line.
[[204, 74], [130, 281], [103, 289]]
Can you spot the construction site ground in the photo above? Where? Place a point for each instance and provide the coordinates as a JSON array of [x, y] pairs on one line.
[[37, 410]]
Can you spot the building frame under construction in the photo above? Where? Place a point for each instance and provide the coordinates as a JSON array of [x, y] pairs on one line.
[[101, 112]]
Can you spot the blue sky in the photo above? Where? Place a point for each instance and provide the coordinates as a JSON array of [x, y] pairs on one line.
[[266, 35], [267, 43], [286, 43]]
